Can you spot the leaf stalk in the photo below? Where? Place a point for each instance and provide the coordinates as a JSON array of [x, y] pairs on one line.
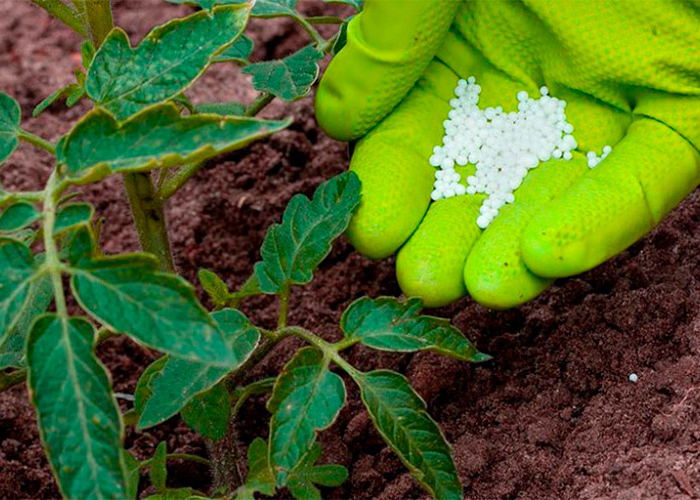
[[63, 13], [37, 141]]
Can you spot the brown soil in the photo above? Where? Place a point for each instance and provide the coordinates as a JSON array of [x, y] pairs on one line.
[[553, 416]]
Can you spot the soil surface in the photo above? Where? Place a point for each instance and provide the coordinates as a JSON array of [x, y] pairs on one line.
[[552, 416]]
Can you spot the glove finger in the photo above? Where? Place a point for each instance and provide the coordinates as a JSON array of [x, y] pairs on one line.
[[392, 164], [495, 273], [389, 45], [647, 174], [431, 264]]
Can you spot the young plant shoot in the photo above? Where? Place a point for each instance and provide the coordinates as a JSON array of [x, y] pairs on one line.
[[143, 126]]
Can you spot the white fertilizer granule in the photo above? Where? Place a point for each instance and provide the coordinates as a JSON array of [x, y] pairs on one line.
[[502, 146], [594, 159]]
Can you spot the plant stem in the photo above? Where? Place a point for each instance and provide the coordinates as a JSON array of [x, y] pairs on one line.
[[97, 18], [63, 13], [284, 305], [225, 459], [149, 217], [224, 453], [52, 262], [173, 184], [145, 203], [329, 350], [325, 20], [258, 387], [12, 197], [235, 377], [8, 380], [263, 99], [37, 141], [315, 35]]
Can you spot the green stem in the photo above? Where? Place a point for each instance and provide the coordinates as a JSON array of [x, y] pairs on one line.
[[103, 334], [97, 18], [145, 203], [63, 13], [37, 141], [263, 99], [173, 184], [325, 20], [224, 453], [329, 350], [284, 306], [52, 262], [258, 387], [12, 197], [8, 380], [130, 417], [149, 217], [315, 35], [234, 378], [188, 456], [179, 456]]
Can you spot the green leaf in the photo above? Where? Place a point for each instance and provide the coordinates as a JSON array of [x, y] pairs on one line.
[[259, 476], [388, 324], [293, 249], [275, 8], [342, 37], [238, 52], [9, 126], [128, 293], [307, 473], [355, 4], [17, 270], [400, 416], [78, 416], [87, 53], [143, 387], [158, 137], [78, 244], [157, 471], [72, 215], [181, 380], [307, 398], [13, 342], [231, 108], [208, 412], [74, 95], [18, 216], [262, 8], [174, 494], [132, 474], [289, 78], [214, 286], [124, 81], [71, 91]]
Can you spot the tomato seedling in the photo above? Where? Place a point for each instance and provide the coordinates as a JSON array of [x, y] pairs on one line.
[[143, 123]]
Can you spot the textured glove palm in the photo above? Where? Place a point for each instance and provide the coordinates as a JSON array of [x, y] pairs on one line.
[[630, 73]]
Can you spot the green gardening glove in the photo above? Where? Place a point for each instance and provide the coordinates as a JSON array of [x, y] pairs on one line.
[[629, 71]]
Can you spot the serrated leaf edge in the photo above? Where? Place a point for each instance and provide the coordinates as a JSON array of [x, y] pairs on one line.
[[100, 170], [415, 472], [153, 34]]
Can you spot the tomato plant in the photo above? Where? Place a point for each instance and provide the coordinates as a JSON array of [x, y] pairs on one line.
[[143, 126]]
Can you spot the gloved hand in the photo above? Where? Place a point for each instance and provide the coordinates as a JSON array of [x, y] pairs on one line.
[[630, 74]]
